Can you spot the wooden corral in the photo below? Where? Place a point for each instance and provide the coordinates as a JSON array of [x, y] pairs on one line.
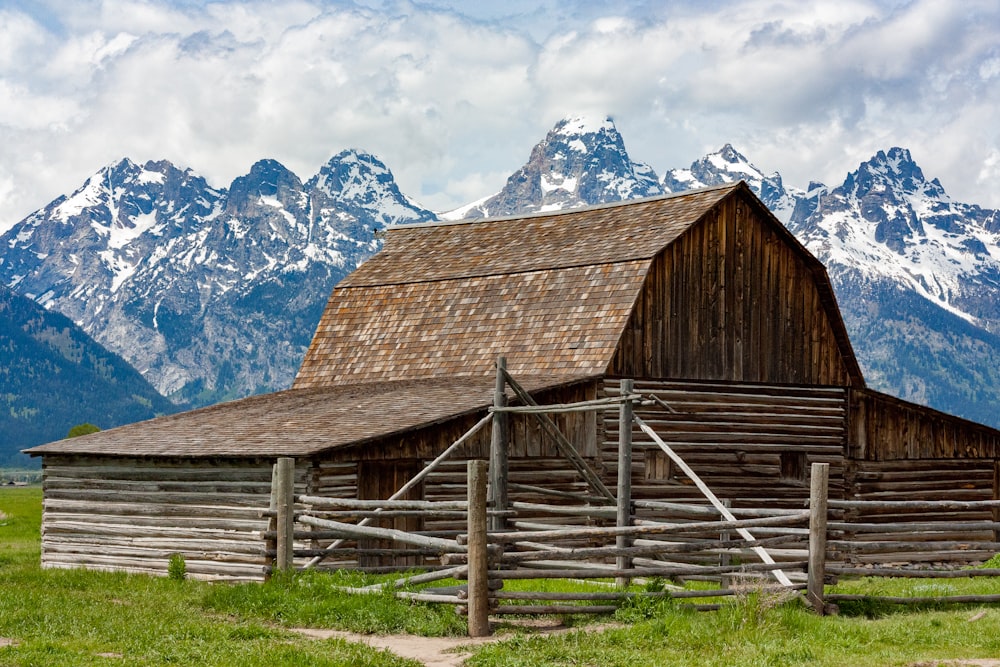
[[726, 323]]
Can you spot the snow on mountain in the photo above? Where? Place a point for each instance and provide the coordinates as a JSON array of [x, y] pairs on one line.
[[887, 221], [582, 161], [728, 165], [210, 293], [917, 276]]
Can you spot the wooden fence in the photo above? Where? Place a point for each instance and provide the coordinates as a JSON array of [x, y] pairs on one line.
[[608, 535], [807, 549]]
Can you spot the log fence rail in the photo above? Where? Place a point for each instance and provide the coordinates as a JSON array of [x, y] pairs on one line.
[[603, 535]]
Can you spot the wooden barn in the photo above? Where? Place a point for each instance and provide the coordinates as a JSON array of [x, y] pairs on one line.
[[704, 299]]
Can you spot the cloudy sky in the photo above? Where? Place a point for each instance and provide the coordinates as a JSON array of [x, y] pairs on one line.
[[452, 95]]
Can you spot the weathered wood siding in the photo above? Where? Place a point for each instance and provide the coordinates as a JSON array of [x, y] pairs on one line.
[[732, 299], [132, 514], [923, 480], [752, 444], [887, 429]]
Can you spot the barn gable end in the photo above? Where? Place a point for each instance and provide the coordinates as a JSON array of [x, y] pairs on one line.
[[736, 298]]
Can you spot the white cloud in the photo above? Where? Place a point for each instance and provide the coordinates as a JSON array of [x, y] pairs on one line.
[[453, 95]]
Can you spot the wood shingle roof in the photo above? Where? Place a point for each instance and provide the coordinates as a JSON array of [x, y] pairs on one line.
[[298, 422], [552, 292]]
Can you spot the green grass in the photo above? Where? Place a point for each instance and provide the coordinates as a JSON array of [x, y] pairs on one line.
[[75, 617], [312, 599]]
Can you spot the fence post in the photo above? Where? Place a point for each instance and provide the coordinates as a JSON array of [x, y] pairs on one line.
[[284, 490], [271, 543], [478, 577], [725, 560], [498, 450], [624, 479], [819, 483]]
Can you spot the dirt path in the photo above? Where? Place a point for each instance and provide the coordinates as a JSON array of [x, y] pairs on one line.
[[433, 651], [447, 651]]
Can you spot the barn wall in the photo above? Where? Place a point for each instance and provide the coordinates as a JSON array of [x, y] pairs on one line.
[[888, 429], [751, 444], [132, 514], [732, 300]]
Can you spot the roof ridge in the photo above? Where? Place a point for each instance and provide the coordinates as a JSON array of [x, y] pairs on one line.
[[564, 211]]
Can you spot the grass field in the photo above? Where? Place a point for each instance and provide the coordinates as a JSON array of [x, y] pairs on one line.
[[58, 617]]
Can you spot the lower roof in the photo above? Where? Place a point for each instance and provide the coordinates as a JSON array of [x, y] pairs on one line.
[[300, 422]]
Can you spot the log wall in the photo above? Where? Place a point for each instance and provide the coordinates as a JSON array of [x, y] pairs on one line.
[[884, 428], [132, 514], [733, 299], [917, 481], [752, 444]]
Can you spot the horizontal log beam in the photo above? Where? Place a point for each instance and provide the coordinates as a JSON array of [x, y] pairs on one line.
[[445, 546]]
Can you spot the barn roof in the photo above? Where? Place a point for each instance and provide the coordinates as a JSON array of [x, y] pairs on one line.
[[298, 422], [552, 292]]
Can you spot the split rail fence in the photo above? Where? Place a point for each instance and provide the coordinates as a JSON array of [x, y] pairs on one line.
[[605, 535]]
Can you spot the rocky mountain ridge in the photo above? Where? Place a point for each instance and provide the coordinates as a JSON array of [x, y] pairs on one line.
[[210, 293], [215, 293]]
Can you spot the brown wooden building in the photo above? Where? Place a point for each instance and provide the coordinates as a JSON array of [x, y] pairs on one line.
[[703, 298]]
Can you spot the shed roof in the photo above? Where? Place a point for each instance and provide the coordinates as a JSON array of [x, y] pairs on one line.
[[298, 422], [552, 292]]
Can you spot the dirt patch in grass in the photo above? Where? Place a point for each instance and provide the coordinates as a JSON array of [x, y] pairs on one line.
[[438, 651], [4, 641]]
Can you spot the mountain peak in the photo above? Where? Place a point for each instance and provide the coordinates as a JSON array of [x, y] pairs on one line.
[[357, 181], [728, 165], [583, 124], [581, 161]]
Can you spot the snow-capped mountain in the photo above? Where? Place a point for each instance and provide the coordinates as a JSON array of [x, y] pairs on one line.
[[210, 293], [916, 274], [582, 161], [918, 279], [215, 293], [728, 165]]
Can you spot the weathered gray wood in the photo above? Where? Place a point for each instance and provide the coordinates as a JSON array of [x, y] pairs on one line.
[[428, 469], [357, 530], [912, 573], [657, 529], [479, 603], [405, 595], [566, 510], [778, 574], [560, 569], [818, 489], [541, 490], [706, 510], [903, 548], [389, 514], [509, 610], [624, 501], [316, 502], [938, 505], [545, 552], [499, 444], [912, 527], [284, 495], [456, 572], [565, 447]]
